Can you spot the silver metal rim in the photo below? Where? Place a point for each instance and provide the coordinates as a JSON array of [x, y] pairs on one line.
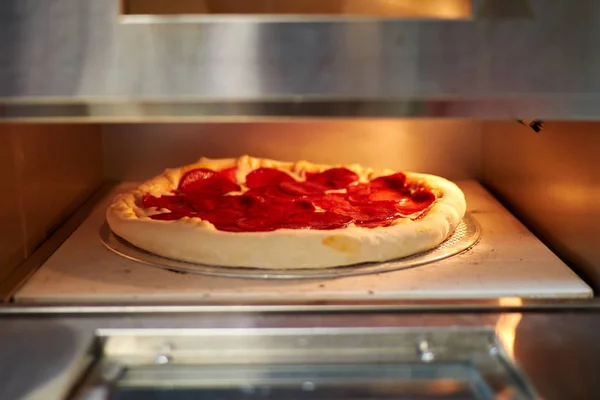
[[466, 235]]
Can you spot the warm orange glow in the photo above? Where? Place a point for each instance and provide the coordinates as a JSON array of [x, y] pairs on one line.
[[397, 8], [507, 324], [409, 8], [445, 386]]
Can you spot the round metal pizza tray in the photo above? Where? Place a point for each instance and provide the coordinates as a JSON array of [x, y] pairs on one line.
[[465, 236]]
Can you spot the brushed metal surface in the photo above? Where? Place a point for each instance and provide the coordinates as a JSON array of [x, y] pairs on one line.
[[80, 49], [419, 306], [42, 356], [395, 358], [49, 171], [175, 110], [25, 269], [136, 152], [12, 235], [551, 181]]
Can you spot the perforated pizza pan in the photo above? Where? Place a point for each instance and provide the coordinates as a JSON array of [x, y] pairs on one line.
[[465, 236]]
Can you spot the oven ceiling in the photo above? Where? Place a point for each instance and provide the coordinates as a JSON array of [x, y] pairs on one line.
[[510, 59]]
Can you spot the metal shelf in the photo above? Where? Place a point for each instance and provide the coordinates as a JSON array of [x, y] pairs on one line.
[[553, 107], [508, 262]]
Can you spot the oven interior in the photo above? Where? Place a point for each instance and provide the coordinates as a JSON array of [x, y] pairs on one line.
[[60, 177], [97, 96]]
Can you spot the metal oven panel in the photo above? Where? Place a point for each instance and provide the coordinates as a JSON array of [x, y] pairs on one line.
[[513, 61], [449, 148], [551, 181], [346, 363]]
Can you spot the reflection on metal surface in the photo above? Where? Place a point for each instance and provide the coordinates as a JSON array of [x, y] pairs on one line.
[[198, 110], [395, 8], [329, 307], [26, 269], [507, 324], [465, 236], [552, 54], [559, 173], [382, 144], [506, 9], [330, 363], [568, 339]]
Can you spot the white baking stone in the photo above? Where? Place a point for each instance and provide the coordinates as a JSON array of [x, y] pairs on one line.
[[509, 261]]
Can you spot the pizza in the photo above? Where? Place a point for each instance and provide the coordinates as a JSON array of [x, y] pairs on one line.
[[261, 213]]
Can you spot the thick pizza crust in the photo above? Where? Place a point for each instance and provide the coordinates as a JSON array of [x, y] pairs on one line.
[[198, 241]]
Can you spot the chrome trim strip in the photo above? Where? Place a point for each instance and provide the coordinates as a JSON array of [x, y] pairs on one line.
[[549, 107], [330, 307], [265, 19]]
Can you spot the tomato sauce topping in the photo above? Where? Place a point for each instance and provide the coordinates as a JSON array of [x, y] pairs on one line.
[[276, 200]]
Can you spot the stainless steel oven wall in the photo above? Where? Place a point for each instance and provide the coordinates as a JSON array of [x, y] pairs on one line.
[[532, 52], [446, 147], [47, 172], [551, 181]]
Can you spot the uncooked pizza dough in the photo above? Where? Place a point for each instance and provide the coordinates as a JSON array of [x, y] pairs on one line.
[[260, 213]]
